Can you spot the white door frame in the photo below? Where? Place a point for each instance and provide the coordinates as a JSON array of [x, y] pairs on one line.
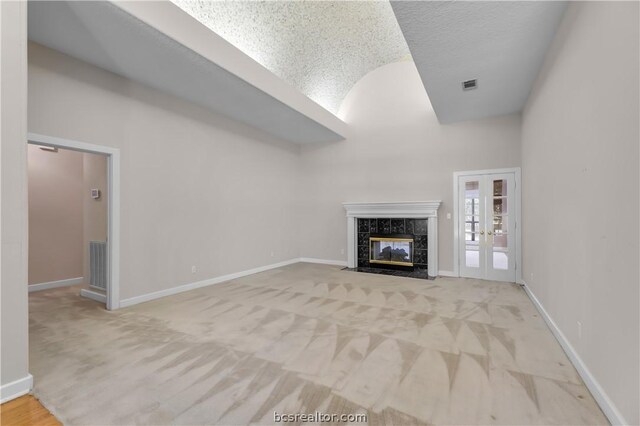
[[518, 214], [113, 179]]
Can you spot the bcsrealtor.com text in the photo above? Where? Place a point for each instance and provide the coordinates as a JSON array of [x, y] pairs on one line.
[[319, 417]]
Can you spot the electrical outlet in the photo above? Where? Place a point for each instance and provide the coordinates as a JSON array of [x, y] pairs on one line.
[[341, 251], [194, 269], [531, 275], [579, 330], [448, 215], [272, 254]]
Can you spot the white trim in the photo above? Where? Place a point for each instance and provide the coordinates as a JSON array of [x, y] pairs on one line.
[[94, 295], [16, 388], [399, 209], [442, 273], [432, 244], [601, 397], [352, 257], [55, 284], [37, 139], [323, 261], [113, 282], [518, 173], [456, 232], [416, 209], [199, 284]]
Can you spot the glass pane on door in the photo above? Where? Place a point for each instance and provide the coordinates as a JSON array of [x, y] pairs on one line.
[[499, 225], [500, 252], [500, 205], [472, 224]]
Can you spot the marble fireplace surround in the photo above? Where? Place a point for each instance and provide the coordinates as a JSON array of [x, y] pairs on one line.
[[401, 209]]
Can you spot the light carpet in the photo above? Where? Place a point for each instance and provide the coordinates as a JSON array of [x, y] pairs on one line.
[[307, 338]]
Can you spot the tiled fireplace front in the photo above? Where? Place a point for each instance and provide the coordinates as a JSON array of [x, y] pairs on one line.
[[413, 221], [407, 228]]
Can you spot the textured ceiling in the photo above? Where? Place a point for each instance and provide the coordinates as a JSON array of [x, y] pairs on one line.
[[320, 47], [501, 44]]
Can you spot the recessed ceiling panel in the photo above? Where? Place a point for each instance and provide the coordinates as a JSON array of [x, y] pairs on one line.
[[321, 47]]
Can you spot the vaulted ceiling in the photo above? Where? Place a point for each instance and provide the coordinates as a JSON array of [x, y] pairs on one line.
[[320, 47]]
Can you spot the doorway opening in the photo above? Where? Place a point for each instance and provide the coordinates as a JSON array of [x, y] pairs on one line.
[[486, 231], [73, 218]]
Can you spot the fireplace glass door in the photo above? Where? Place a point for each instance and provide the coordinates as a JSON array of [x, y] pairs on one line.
[[391, 251]]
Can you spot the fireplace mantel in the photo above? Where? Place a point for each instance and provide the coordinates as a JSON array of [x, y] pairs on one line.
[[400, 209]]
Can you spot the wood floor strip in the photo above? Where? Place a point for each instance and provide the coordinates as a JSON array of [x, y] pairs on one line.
[[26, 411]]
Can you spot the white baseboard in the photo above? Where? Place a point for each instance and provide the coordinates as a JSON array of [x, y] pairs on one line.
[[323, 261], [90, 294], [442, 273], [55, 284], [204, 283], [16, 388], [217, 280], [601, 397]]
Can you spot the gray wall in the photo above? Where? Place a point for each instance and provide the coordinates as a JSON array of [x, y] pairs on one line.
[[197, 189], [397, 151], [13, 158], [580, 192]]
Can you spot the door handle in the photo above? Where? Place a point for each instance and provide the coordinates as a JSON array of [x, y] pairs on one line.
[[481, 232], [488, 232]]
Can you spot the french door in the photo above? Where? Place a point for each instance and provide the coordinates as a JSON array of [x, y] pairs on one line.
[[486, 226]]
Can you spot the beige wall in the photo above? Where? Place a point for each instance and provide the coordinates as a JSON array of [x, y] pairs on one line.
[[198, 189], [95, 211], [13, 160], [55, 215], [397, 151], [580, 192]]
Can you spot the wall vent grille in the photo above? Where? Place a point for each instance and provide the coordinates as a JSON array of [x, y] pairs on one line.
[[469, 84], [98, 264]]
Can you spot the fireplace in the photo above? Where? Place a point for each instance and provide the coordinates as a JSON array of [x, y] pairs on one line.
[[419, 219], [391, 250]]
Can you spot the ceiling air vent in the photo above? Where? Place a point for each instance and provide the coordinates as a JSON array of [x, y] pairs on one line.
[[469, 84]]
